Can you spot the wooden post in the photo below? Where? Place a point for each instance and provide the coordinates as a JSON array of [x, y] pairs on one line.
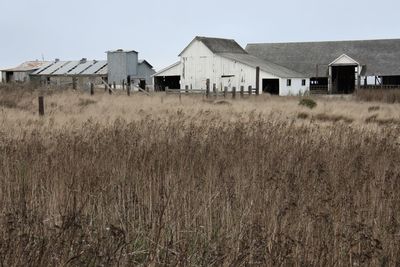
[[250, 90], [114, 85], [123, 85], [257, 80], [105, 87], [180, 96], [225, 91], [234, 92], [241, 91], [208, 88], [187, 89], [215, 90], [74, 83], [128, 85], [41, 106], [91, 89]]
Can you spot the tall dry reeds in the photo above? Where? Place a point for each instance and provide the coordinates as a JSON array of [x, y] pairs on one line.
[[173, 191]]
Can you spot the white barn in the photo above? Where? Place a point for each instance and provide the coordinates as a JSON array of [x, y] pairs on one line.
[[226, 64]]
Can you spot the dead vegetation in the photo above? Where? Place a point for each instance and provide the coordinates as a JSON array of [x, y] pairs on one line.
[[379, 95], [187, 185]]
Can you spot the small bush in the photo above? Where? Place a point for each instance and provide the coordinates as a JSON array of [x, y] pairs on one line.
[[302, 116], [307, 102], [86, 102], [374, 108], [8, 103]]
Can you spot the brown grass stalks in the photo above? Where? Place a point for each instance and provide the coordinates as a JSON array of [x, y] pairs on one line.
[[193, 187], [379, 95]]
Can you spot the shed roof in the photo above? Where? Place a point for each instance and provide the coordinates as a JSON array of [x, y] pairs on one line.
[[265, 66], [29, 66], [218, 45], [381, 57], [172, 70], [143, 61], [78, 68]]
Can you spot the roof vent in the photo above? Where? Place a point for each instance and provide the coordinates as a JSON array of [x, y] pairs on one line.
[[83, 60], [57, 60]]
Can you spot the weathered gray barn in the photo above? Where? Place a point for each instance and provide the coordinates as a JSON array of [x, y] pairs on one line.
[[338, 66], [120, 66], [22, 72], [78, 74]]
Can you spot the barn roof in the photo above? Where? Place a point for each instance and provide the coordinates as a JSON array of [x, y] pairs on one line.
[[381, 57], [78, 68], [218, 45], [29, 66], [266, 66]]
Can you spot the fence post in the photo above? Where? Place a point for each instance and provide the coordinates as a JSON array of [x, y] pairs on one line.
[[241, 91], [187, 89], [41, 106], [114, 85], [91, 89], [208, 88], [234, 92], [74, 83], [180, 96], [123, 85], [250, 90], [215, 90], [225, 91], [257, 80]]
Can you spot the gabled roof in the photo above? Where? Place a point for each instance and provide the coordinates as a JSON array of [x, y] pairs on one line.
[[265, 66], [29, 66], [143, 61], [382, 57], [218, 45], [172, 68]]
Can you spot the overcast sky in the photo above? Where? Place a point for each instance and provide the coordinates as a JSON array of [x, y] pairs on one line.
[[160, 29]]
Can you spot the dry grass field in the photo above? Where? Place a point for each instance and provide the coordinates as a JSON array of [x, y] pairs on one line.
[[153, 181]]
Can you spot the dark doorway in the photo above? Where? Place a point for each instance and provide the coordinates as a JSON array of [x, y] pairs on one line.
[[142, 84], [343, 79], [271, 86], [391, 80], [9, 77], [172, 82]]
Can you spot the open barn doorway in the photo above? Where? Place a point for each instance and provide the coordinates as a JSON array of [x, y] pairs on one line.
[[162, 82], [344, 79], [270, 86]]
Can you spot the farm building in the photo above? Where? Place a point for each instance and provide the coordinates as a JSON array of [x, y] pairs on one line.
[[224, 63], [337, 66], [120, 66], [21, 73]]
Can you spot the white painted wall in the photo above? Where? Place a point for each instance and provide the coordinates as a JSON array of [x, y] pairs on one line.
[[198, 64], [295, 89]]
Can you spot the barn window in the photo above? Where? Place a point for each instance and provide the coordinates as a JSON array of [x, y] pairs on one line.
[[289, 82], [303, 82]]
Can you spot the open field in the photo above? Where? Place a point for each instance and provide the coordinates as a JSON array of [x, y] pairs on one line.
[[119, 181]]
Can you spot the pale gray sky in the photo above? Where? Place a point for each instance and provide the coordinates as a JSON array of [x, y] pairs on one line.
[[160, 29]]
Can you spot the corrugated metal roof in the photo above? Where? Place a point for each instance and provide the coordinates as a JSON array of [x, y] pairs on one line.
[[81, 67], [66, 68], [380, 56], [53, 67], [265, 66], [92, 70], [29, 66]]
